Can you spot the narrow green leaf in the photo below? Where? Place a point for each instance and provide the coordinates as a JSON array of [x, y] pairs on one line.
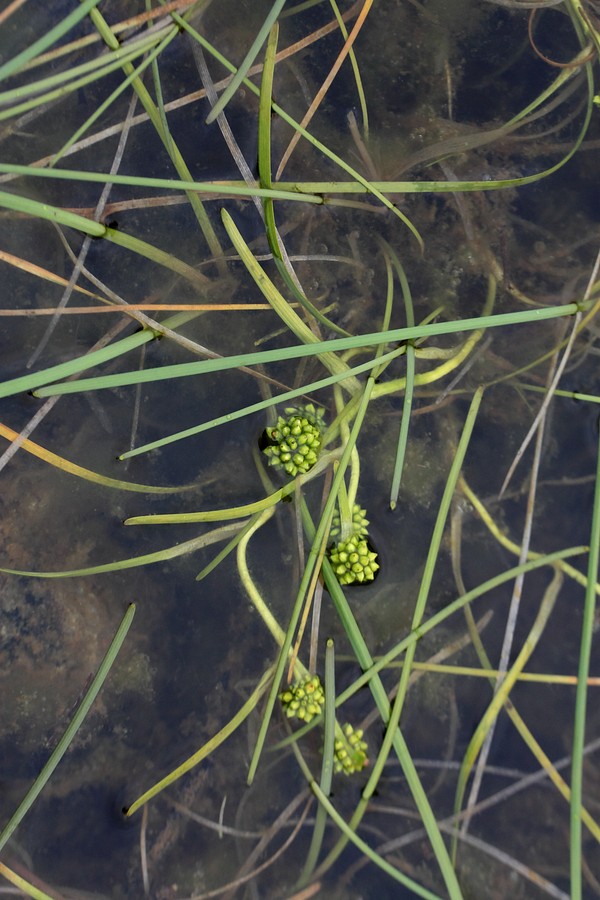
[[208, 748], [501, 696], [410, 378], [221, 189], [251, 55], [48, 39], [283, 309], [279, 399], [63, 745], [365, 185], [25, 886], [433, 552], [233, 543], [171, 147], [94, 70], [587, 630], [436, 620], [88, 360], [96, 229], [326, 765], [101, 108], [294, 352], [264, 139], [213, 515], [218, 534], [351, 836], [71, 468], [51, 213]]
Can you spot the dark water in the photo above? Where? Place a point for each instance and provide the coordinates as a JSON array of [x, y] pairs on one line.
[[196, 650]]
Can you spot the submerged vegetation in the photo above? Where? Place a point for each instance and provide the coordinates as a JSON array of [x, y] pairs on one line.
[[318, 284]]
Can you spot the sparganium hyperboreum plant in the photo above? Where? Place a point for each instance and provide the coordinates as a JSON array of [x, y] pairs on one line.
[[349, 751], [359, 522], [353, 561], [303, 699], [295, 442]]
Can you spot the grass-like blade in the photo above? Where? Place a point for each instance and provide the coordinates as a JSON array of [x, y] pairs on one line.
[[351, 836], [279, 399], [63, 745], [246, 63], [25, 886], [65, 465], [147, 559], [218, 188], [326, 764], [207, 748], [283, 309], [298, 351], [450, 609], [91, 72], [88, 360], [11, 66], [587, 630], [264, 138]]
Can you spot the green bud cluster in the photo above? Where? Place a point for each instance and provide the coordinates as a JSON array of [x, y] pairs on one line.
[[295, 442], [304, 699], [353, 561], [350, 751], [359, 522]]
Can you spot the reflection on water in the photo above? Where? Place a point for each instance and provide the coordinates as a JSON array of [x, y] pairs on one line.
[[434, 77]]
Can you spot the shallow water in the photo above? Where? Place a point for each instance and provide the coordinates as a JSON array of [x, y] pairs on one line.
[[196, 650]]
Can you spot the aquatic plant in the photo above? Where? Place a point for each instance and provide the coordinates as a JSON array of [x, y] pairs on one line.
[[353, 560], [295, 442], [358, 525], [408, 304], [304, 699], [350, 751]]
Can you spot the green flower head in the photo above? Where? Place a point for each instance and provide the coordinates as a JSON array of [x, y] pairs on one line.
[[294, 443], [349, 750], [359, 522], [303, 699], [353, 561]]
